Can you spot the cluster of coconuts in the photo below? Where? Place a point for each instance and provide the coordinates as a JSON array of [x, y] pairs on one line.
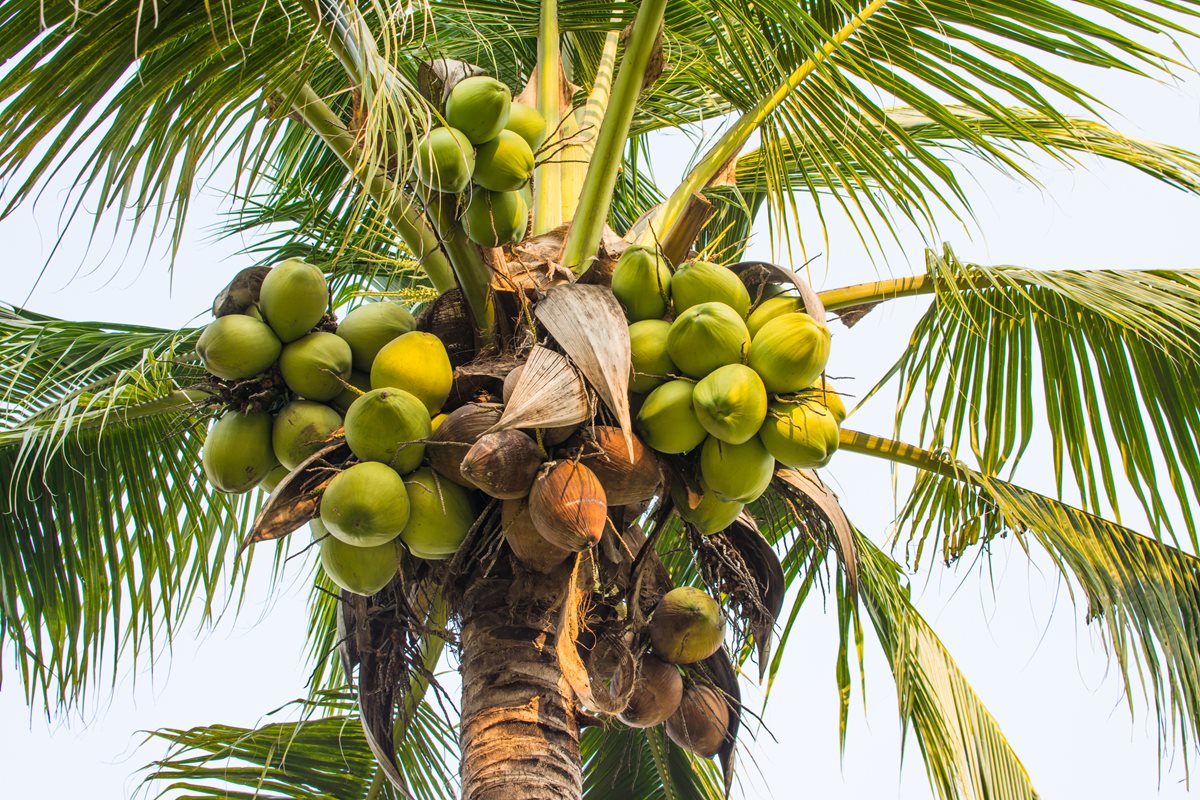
[[739, 381], [374, 378], [484, 153]]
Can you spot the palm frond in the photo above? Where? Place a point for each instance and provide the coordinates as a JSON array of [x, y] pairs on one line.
[[620, 762]]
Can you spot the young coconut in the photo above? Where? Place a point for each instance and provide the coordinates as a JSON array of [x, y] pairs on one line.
[[268, 484], [789, 352], [493, 219], [445, 160], [641, 282], [736, 473], [707, 336], [301, 428], [624, 481], [504, 164], [649, 363], [526, 122], [827, 396], [293, 298], [317, 366], [479, 107], [530, 547], [372, 325], [771, 308], [235, 347], [656, 695], [365, 505], [802, 435], [697, 282], [667, 420], [453, 438], [568, 506], [389, 426], [416, 362], [440, 517], [361, 570], [359, 384], [237, 451], [686, 626], [731, 403], [701, 722], [502, 464], [710, 515]]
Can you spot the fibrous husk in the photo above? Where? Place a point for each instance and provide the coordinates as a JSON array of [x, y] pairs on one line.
[[548, 393], [657, 693], [789, 352], [701, 723], [441, 515], [707, 336], [316, 366], [731, 403], [294, 296], [237, 346], [237, 451], [454, 437], [449, 319], [568, 506], [502, 464], [389, 426], [372, 325], [300, 429], [365, 505], [625, 481], [667, 420], [530, 547], [737, 473], [416, 362], [687, 626]]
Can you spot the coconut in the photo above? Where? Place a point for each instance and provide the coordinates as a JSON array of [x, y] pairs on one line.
[[707, 336], [317, 366], [530, 547], [479, 107], [361, 570], [365, 505], [273, 478], [789, 352], [236, 346], [667, 420], [656, 694], [624, 481], [710, 515], [802, 435], [649, 362], [526, 122], [372, 325], [641, 282], [771, 308], [416, 362], [731, 403], [441, 516], [301, 428], [453, 438], [701, 722], [504, 164], [698, 282], [389, 426], [437, 421], [686, 626], [828, 397], [503, 464], [237, 451], [493, 219], [294, 297], [359, 384], [445, 160], [736, 473], [568, 506]]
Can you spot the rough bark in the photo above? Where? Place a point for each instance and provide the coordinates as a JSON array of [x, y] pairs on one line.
[[519, 735]]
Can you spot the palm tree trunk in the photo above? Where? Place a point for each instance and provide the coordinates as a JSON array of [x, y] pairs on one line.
[[519, 735]]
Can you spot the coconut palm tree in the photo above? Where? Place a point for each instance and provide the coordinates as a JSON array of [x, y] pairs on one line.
[[110, 536]]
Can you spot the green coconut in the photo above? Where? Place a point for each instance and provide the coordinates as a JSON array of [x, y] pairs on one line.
[[827, 396], [711, 514], [504, 164], [442, 514], [667, 421], [526, 122], [237, 451], [301, 428], [389, 426], [360, 384], [479, 107], [789, 352], [236, 346], [316, 367], [372, 325], [771, 308], [365, 505], [698, 282], [416, 362], [268, 484], [731, 403], [707, 336], [361, 570], [492, 219], [736, 473], [686, 626], [293, 298], [642, 283], [445, 160], [650, 365], [802, 435]]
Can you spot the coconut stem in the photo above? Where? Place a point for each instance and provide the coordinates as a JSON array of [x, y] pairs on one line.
[[876, 292], [472, 274], [897, 452], [547, 184]]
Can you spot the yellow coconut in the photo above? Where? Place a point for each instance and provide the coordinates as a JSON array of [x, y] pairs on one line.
[[707, 336], [416, 362], [641, 282], [667, 421], [360, 384], [361, 570], [731, 403], [389, 426], [526, 122], [301, 428], [827, 396], [771, 308], [505, 164], [789, 352], [686, 626], [650, 364], [237, 451], [736, 473], [803, 435], [710, 515], [293, 298], [493, 219], [236, 347], [479, 107], [317, 366], [372, 325], [441, 515], [445, 160], [698, 282], [365, 505]]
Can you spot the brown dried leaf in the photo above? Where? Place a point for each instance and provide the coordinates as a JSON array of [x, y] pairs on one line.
[[435, 78], [549, 394], [806, 483], [756, 273], [763, 563], [569, 627], [297, 497], [241, 292]]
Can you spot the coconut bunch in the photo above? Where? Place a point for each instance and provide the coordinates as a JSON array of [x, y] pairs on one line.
[[484, 154]]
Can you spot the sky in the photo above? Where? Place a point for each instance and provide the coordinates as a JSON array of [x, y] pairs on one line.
[[1010, 624]]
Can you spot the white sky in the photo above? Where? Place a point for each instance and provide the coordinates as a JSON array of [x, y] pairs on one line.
[[1015, 634]]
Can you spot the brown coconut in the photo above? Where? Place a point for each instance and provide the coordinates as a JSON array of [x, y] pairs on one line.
[[456, 434], [701, 722], [529, 546], [624, 481], [503, 464], [656, 695], [551, 436], [568, 506]]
